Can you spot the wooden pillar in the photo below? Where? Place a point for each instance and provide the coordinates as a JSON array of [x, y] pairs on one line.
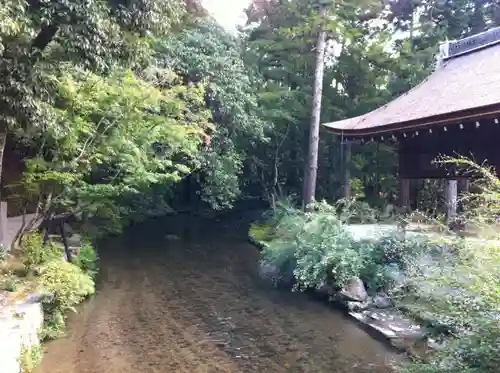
[[463, 186], [404, 194], [3, 226], [463, 190], [451, 199], [347, 169]]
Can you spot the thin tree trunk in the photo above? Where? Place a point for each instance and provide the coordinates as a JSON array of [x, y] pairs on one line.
[[69, 256], [312, 158], [3, 141]]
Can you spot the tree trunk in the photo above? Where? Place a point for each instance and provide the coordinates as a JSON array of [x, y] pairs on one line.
[[347, 170], [312, 158], [67, 250], [3, 208], [3, 141], [451, 200]]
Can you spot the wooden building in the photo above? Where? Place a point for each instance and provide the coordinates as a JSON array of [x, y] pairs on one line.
[[456, 110]]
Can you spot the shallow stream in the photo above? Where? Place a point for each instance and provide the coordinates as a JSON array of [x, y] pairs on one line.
[[183, 295]]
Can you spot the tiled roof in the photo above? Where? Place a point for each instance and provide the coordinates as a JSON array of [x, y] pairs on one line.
[[466, 83]]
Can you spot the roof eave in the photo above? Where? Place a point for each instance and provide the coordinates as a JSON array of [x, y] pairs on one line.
[[457, 117]]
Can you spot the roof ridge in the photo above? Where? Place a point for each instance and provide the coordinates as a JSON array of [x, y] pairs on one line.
[[470, 44]]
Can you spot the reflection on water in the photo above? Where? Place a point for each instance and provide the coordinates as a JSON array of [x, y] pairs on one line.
[[195, 305]]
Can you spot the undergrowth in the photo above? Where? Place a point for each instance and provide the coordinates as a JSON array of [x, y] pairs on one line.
[[450, 282], [87, 259], [30, 358], [316, 247], [62, 284], [8, 282], [464, 293], [66, 285]]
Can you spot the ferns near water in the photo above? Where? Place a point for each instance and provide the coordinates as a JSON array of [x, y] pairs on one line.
[[317, 247]]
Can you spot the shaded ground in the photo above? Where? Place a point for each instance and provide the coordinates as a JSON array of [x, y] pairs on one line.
[[195, 305]]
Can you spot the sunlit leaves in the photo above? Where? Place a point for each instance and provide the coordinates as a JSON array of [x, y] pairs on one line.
[[117, 134]]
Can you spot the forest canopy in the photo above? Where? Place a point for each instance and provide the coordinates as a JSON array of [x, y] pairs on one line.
[[126, 109]]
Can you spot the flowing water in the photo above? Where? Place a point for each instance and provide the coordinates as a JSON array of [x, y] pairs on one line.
[[194, 304]]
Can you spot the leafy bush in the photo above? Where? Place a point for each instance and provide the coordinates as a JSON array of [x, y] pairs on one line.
[[390, 257], [67, 283], [87, 259], [355, 211], [33, 253], [462, 295], [8, 283], [30, 358], [54, 325], [325, 251], [68, 286], [317, 247]]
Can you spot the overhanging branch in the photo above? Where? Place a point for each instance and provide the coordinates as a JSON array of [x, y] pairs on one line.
[[44, 37]]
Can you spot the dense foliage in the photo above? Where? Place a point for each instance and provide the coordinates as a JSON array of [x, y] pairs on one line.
[[318, 247], [123, 110]]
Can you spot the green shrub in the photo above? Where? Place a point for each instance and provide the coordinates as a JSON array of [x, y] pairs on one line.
[[30, 358], [315, 246], [33, 253], [87, 259], [325, 251], [54, 325], [354, 211], [68, 286], [8, 283]]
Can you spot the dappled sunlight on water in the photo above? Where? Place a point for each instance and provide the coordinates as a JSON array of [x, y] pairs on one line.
[[195, 305]]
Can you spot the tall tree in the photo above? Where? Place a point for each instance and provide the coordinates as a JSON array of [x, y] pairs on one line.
[[312, 158]]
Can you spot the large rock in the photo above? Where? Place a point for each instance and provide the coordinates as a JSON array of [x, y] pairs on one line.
[[269, 272], [358, 306], [382, 301], [272, 273], [324, 289], [399, 279], [19, 326], [354, 290]]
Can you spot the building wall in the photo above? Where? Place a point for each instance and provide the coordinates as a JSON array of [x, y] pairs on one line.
[[12, 172], [19, 327]]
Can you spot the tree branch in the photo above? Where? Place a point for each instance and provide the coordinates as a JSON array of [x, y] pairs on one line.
[[44, 37]]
